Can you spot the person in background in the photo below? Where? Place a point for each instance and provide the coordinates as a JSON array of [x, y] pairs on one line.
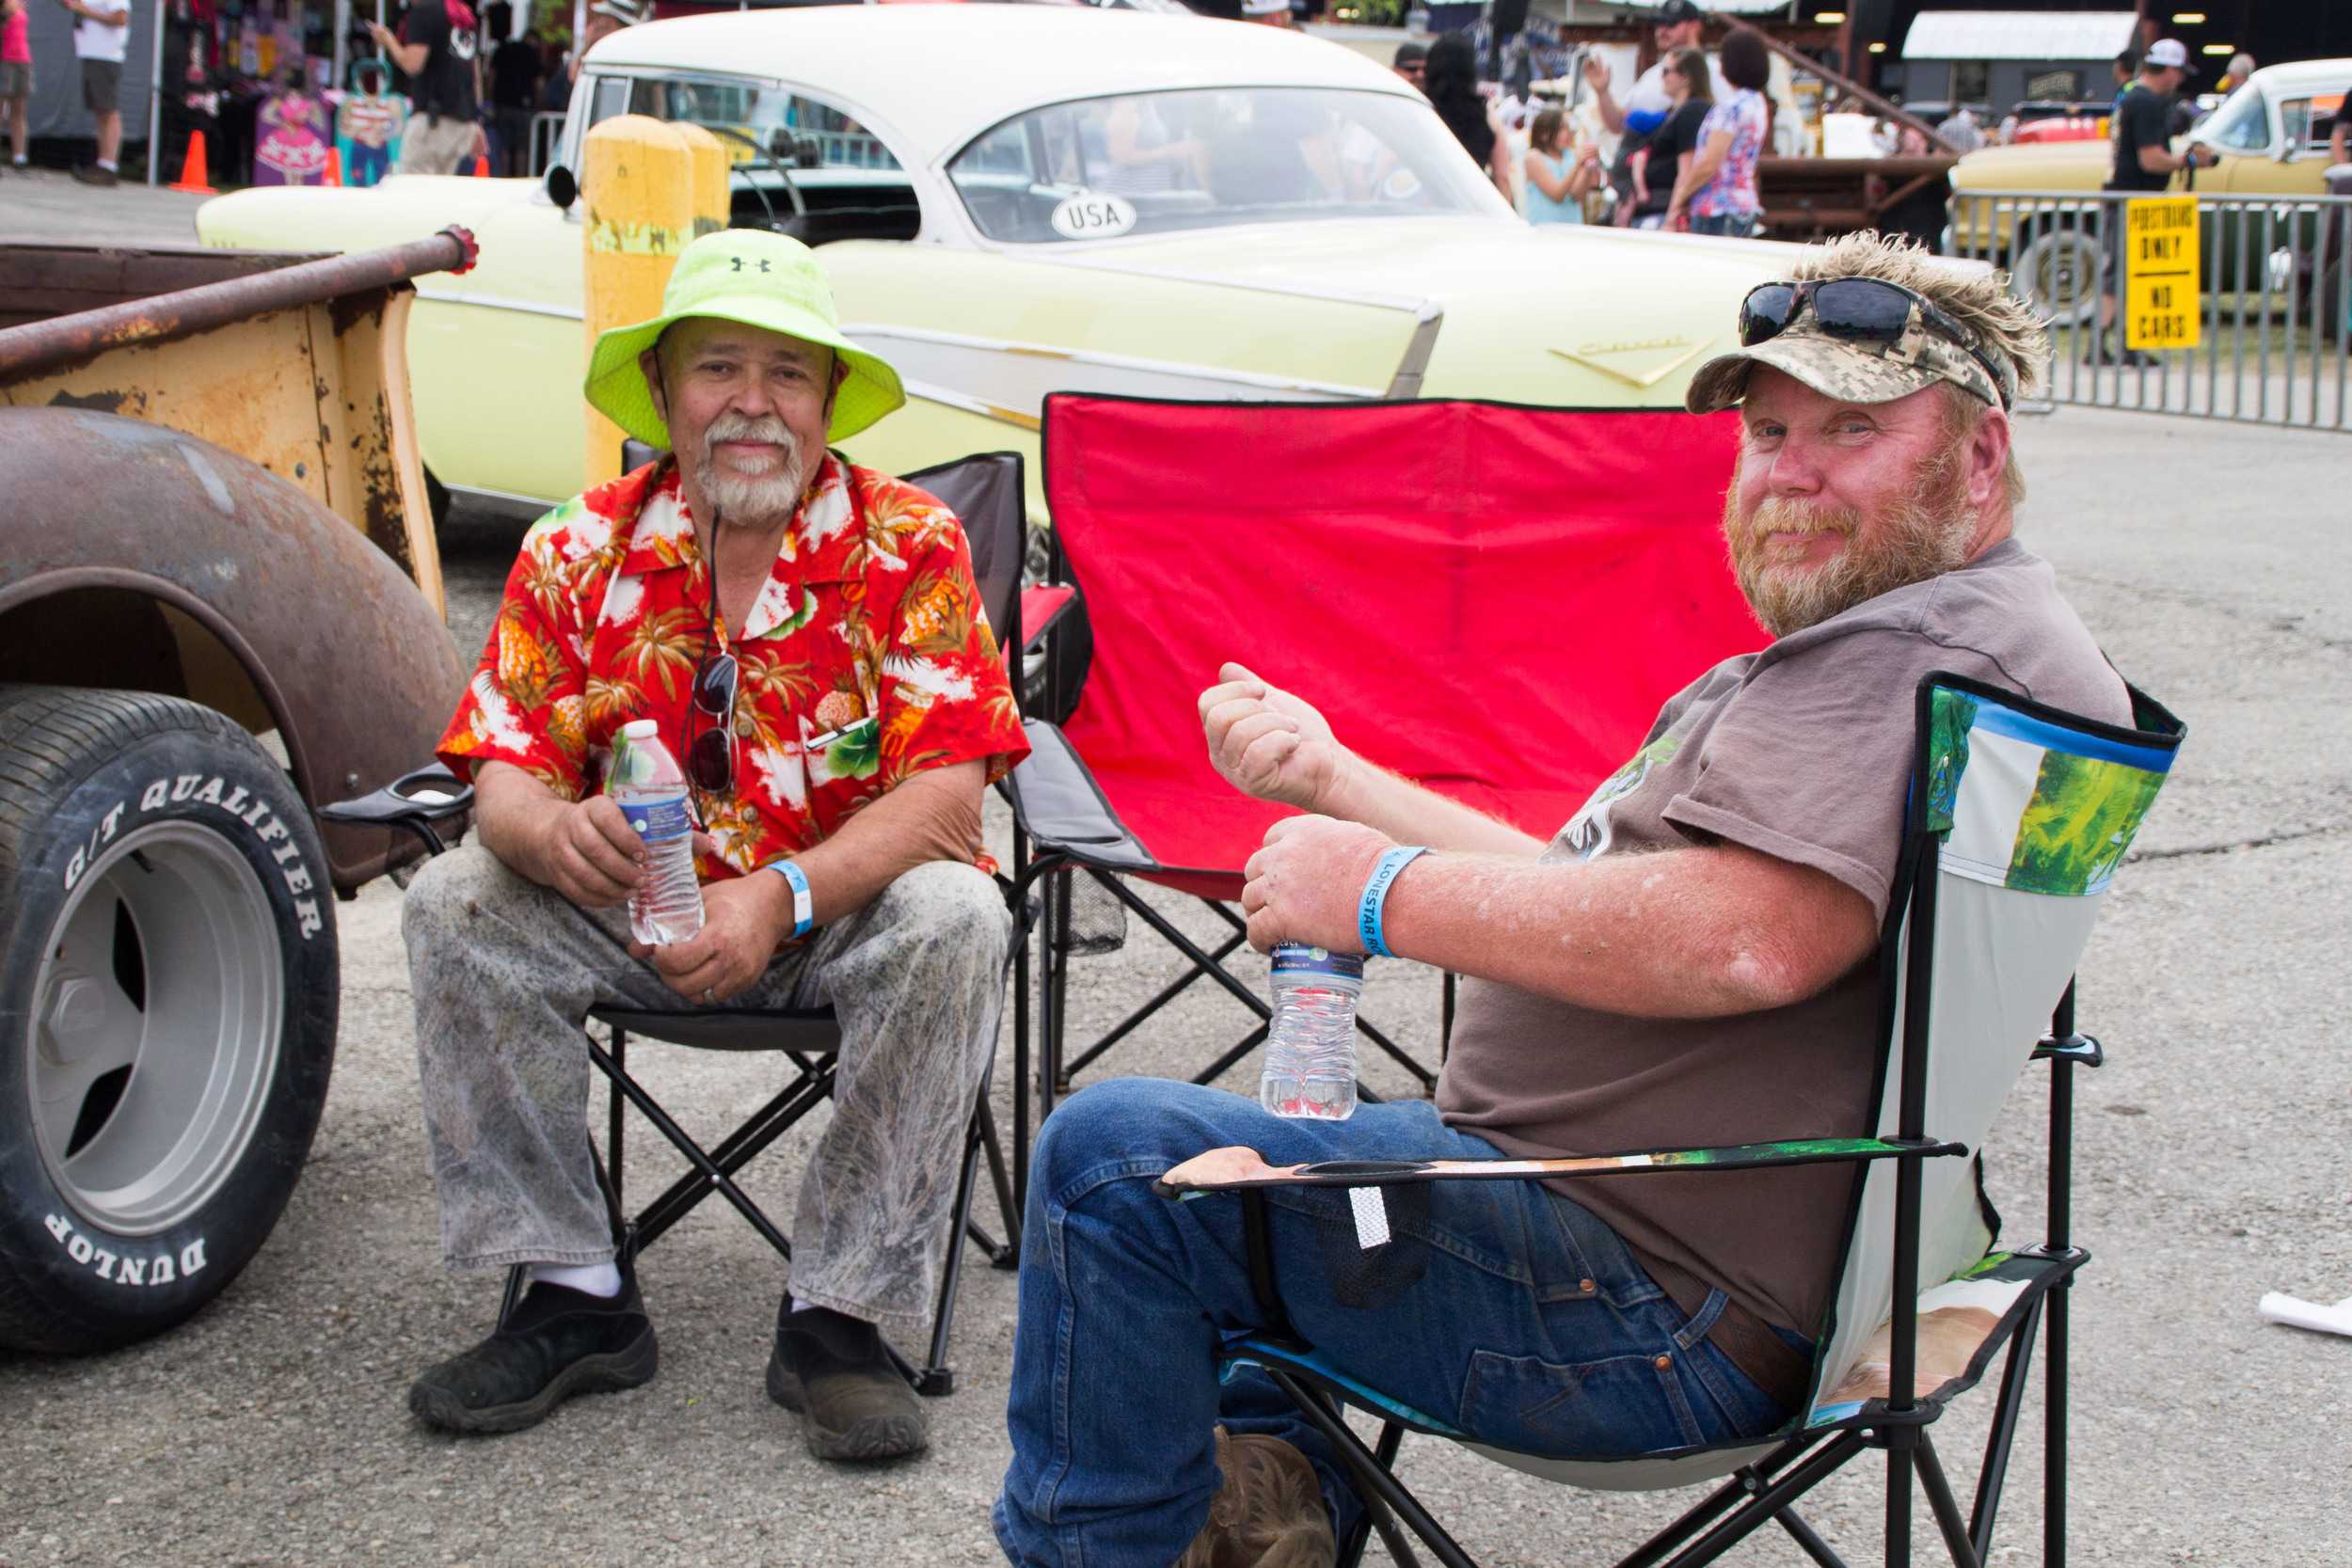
[[1557, 183], [1716, 193], [2126, 74], [100, 39], [514, 96], [1675, 24], [1411, 56], [1960, 130], [1451, 80], [2340, 134], [605, 18], [1651, 167], [436, 49], [2144, 164], [16, 75], [2241, 67]]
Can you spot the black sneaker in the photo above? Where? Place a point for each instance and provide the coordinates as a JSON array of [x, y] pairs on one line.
[[90, 174], [556, 1342], [852, 1402]]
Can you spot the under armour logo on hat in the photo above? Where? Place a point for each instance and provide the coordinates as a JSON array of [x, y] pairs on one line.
[[739, 262]]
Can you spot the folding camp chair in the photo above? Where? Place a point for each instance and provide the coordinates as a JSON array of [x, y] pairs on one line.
[[1489, 598], [985, 492], [2019, 816]]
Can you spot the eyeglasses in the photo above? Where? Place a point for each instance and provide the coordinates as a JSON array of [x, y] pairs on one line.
[[1860, 310], [710, 752]]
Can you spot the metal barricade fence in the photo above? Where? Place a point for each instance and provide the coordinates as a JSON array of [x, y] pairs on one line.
[[546, 128], [2274, 275]]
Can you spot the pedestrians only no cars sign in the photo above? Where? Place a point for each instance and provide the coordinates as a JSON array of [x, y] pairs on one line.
[[2162, 307]]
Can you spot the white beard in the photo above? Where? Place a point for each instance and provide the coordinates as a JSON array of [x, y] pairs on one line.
[[759, 500]]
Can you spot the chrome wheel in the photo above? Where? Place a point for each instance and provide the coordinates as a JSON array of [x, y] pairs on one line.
[[2058, 273], [157, 1011]]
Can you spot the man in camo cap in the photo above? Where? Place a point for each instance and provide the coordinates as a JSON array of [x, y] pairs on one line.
[[1694, 949]]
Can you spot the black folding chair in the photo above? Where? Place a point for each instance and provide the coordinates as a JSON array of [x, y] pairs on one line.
[[986, 493]]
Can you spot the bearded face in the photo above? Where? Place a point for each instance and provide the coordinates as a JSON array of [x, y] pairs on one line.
[[1800, 562], [753, 487]]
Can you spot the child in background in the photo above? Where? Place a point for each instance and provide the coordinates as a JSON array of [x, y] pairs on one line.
[[1557, 183]]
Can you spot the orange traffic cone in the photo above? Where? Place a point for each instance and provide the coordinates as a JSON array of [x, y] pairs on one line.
[[192, 171], [482, 165], [333, 173]]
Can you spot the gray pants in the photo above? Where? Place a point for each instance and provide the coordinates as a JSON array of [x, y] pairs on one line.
[[504, 972]]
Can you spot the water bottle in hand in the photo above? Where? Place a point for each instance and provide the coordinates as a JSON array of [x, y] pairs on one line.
[[645, 782], [1311, 1046]]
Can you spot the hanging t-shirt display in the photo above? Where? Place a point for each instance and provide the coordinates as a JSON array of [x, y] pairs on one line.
[[292, 145]]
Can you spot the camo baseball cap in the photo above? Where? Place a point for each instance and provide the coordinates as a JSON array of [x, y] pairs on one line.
[[1851, 369]]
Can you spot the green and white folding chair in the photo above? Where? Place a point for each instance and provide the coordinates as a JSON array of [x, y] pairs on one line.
[[2019, 816]]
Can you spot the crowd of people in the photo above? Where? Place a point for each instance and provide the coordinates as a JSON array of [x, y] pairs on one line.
[[441, 90]]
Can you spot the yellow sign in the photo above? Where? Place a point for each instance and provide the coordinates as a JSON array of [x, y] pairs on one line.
[[2162, 307]]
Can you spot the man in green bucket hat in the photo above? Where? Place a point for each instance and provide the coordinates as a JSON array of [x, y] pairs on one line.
[[807, 637]]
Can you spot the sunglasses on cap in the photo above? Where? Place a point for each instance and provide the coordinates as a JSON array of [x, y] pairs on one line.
[[1861, 311]]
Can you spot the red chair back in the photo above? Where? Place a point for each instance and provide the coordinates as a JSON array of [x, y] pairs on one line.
[[1492, 600]]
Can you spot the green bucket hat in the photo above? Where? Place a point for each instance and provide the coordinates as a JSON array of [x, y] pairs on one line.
[[760, 280]]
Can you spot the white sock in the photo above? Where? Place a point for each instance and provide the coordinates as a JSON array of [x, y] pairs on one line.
[[110, 168], [595, 1280]]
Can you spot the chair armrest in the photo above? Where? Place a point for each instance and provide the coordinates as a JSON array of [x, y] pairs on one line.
[[417, 801], [1057, 803], [1234, 1169]]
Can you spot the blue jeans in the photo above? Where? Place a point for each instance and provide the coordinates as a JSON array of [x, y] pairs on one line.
[[1531, 1326]]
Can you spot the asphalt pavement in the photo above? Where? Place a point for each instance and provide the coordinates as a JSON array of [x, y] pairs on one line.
[[2211, 561]]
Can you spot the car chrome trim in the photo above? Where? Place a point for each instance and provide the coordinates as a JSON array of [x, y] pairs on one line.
[[502, 302], [870, 332], [1418, 304], [506, 503], [1406, 383], [930, 392]]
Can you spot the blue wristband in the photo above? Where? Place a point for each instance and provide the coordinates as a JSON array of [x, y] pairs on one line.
[[1377, 895], [803, 906]]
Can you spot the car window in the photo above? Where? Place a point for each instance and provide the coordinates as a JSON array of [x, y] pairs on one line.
[[2242, 124], [2307, 120], [751, 119], [1158, 161]]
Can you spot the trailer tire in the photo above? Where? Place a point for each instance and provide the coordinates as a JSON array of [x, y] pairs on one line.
[[168, 1009]]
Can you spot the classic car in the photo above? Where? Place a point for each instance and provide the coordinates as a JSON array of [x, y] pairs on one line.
[[1324, 237], [2272, 136]]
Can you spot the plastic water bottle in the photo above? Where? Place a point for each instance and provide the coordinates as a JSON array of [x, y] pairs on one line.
[[1310, 1047], [646, 784]]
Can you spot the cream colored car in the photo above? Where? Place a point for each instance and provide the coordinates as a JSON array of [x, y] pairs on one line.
[[2270, 138], [1012, 200]]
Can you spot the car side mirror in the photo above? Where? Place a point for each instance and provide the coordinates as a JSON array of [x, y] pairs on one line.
[[562, 188], [2286, 152]]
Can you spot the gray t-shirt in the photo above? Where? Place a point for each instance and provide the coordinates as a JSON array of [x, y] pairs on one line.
[[1802, 752]]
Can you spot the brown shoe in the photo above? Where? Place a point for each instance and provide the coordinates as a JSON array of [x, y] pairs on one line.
[[831, 1369], [92, 174], [1269, 1514]]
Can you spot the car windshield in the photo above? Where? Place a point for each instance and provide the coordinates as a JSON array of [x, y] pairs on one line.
[[2242, 124], [1160, 162], [754, 120]]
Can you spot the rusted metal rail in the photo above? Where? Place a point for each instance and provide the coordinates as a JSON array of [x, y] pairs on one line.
[[40, 347]]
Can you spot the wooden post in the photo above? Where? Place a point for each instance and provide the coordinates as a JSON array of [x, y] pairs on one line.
[[651, 188]]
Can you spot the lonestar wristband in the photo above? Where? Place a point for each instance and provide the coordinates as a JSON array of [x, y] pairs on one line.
[[803, 906], [1376, 896]]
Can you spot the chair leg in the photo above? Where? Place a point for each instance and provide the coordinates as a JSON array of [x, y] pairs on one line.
[[1807, 1539], [1007, 1255], [1743, 1484], [1994, 1475], [1899, 1471], [614, 1123], [1770, 1503], [2053, 1431], [1371, 1479], [937, 1379], [1945, 1507]]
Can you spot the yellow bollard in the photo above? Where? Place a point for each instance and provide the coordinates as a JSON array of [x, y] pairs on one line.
[[650, 188]]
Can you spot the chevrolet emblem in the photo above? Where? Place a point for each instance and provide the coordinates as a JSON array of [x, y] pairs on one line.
[[1677, 352]]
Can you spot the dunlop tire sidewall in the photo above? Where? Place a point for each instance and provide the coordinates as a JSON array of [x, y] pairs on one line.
[[48, 1300]]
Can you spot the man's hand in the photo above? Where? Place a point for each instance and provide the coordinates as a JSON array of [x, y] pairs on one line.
[[1596, 72], [1268, 743], [744, 919], [1305, 882], [589, 854]]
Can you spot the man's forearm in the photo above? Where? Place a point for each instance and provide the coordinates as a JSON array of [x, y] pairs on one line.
[[1410, 814], [934, 815], [1684, 933], [513, 813]]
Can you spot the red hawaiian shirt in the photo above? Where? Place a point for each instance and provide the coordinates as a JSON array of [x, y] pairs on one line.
[[866, 658]]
